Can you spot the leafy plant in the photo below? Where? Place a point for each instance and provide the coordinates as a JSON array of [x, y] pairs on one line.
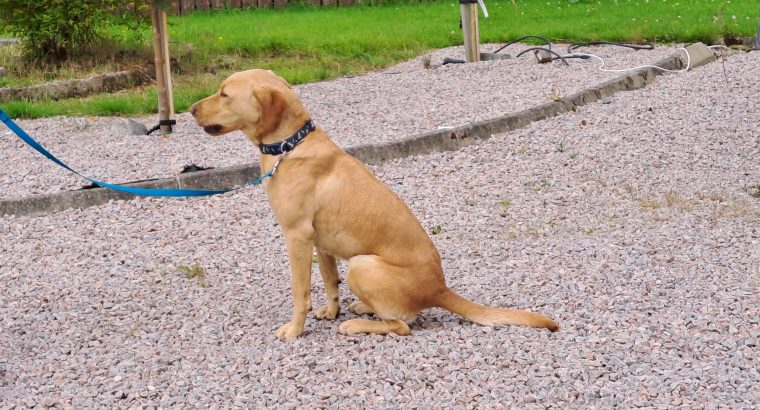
[[54, 30]]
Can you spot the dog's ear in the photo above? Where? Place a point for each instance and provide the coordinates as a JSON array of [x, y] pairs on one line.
[[272, 105], [282, 80]]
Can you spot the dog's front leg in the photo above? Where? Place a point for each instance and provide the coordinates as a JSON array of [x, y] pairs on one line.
[[300, 245], [328, 267]]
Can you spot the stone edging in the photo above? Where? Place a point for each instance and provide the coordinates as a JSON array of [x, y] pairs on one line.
[[57, 90], [434, 141], [5, 42]]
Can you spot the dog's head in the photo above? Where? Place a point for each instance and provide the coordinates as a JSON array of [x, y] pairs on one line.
[[257, 102]]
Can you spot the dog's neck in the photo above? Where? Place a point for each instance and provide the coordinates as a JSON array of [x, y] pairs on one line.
[[289, 123], [286, 128], [287, 145], [317, 143]]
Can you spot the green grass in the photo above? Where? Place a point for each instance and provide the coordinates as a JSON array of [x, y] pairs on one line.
[[305, 44]]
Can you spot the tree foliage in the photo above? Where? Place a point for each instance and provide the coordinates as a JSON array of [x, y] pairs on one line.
[[54, 30]]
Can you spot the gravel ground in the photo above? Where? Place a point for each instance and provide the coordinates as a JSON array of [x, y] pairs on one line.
[[398, 102], [632, 223]]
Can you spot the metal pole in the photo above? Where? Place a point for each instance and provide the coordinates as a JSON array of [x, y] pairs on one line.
[[469, 12], [163, 68]]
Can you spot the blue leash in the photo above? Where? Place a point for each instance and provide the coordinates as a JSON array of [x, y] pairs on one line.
[[165, 192]]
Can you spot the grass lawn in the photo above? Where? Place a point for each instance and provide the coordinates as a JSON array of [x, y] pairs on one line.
[[305, 44]]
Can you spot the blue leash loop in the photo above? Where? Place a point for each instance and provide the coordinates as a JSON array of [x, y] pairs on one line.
[[157, 192]]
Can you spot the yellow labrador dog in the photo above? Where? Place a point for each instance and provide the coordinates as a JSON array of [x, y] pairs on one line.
[[325, 199]]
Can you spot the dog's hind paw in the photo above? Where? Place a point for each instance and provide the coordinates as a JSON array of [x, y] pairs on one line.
[[354, 326], [351, 327], [327, 312]]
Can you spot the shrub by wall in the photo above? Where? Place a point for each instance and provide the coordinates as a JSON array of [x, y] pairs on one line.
[[54, 30]]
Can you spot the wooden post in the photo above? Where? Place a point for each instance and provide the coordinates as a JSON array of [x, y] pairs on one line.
[[469, 11], [163, 68], [757, 37]]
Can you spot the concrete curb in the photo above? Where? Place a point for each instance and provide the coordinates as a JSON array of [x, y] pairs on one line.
[[434, 141]]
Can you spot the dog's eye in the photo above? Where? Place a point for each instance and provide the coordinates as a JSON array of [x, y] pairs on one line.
[[222, 94]]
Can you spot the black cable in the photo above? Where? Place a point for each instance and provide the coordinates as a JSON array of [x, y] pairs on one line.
[[643, 46], [448, 60], [545, 49], [152, 130], [570, 49], [160, 123], [549, 43], [582, 57]]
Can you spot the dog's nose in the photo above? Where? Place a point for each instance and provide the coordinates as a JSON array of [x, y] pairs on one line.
[[193, 109]]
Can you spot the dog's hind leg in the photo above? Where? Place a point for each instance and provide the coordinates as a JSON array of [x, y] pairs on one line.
[[380, 291], [360, 308], [328, 268]]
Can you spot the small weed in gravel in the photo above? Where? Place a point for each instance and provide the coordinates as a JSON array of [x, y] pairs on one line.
[[436, 230], [754, 191], [195, 271], [554, 95], [674, 200], [649, 202], [426, 62], [732, 210]]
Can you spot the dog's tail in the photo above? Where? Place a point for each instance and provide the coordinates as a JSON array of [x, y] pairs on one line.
[[489, 316]]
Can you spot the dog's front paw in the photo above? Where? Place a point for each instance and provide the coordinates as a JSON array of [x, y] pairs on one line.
[[327, 312], [289, 331]]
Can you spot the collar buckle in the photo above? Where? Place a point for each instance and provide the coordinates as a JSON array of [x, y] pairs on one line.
[[286, 147]]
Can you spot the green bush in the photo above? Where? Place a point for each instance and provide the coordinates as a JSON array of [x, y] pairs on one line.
[[54, 30]]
